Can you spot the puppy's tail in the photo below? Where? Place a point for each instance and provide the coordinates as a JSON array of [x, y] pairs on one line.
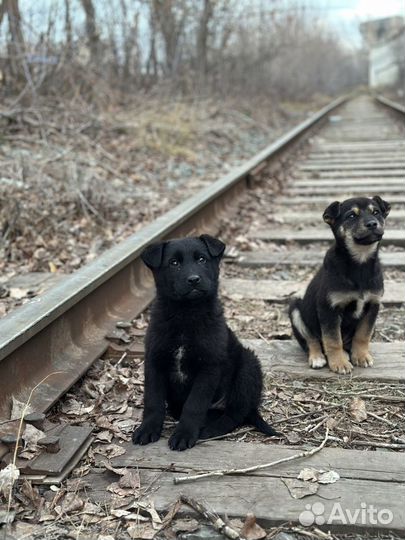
[[256, 420], [295, 303]]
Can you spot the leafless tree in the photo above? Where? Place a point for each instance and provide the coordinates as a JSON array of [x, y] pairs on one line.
[[91, 30], [187, 46]]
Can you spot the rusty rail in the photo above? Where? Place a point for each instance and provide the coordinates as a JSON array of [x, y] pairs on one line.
[[390, 104], [62, 332]]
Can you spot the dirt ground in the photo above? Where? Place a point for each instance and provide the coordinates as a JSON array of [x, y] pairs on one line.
[[75, 181]]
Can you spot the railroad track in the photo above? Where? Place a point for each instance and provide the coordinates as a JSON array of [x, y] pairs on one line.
[[353, 146]]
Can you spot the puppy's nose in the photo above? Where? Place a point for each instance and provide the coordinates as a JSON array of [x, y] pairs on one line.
[[372, 224], [193, 280]]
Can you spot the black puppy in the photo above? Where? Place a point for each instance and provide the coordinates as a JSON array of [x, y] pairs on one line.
[[193, 361], [338, 312]]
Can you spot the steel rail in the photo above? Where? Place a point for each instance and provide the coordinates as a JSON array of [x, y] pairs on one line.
[[62, 332], [390, 104]]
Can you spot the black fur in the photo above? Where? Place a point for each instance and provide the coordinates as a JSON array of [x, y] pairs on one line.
[[193, 361], [351, 270]]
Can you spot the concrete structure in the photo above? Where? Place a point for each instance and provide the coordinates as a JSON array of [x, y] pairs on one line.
[[385, 40]]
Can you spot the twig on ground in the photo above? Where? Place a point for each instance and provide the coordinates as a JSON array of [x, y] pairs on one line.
[[304, 453], [322, 420], [397, 439], [379, 444], [218, 524], [381, 419], [241, 431], [308, 413], [174, 508], [316, 533]]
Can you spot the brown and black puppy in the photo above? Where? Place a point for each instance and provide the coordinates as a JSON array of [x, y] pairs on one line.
[[335, 320]]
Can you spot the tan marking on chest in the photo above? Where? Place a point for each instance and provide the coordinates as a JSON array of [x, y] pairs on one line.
[[360, 253], [343, 299]]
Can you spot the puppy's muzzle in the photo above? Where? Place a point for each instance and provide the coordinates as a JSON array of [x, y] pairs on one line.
[[371, 232]]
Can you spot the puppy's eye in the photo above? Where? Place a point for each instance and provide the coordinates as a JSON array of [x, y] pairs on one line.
[[352, 215], [201, 259], [174, 262], [375, 212]]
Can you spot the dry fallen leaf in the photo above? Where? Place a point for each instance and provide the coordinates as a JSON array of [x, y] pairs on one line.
[[110, 450], [18, 293], [72, 407], [70, 504], [18, 408], [298, 488], [91, 508], [147, 507], [31, 493], [104, 436], [308, 475], [251, 530], [32, 435], [130, 479], [185, 525], [293, 437], [127, 515], [143, 531], [8, 477], [328, 477], [331, 423], [357, 409]]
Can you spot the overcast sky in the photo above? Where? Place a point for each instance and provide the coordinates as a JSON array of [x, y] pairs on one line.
[[344, 16]]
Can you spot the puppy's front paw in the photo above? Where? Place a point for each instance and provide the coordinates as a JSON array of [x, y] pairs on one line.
[[317, 362], [340, 363], [361, 358], [147, 432], [183, 438]]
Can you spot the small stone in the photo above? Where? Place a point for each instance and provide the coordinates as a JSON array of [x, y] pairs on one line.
[[123, 324]]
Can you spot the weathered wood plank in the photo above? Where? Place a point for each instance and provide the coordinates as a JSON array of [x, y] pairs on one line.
[[256, 259], [269, 499], [353, 157], [352, 147], [316, 216], [283, 290], [287, 357], [349, 464], [321, 200], [307, 236], [361, 165], [355, 189], [359, 173], [372, 183]]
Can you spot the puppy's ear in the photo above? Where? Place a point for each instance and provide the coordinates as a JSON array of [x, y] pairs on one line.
[[152, 255], [384, 206], [215, 247], [332, 213]]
